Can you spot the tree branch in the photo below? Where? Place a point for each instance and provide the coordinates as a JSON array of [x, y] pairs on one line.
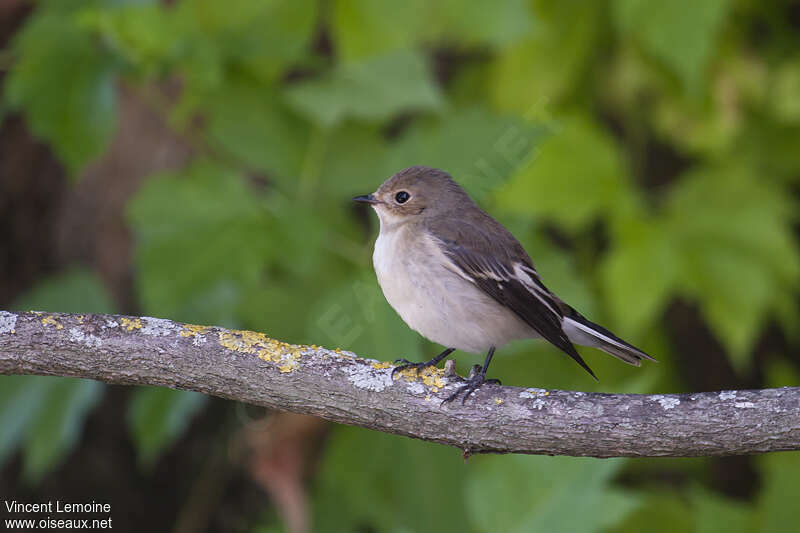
[[336, 385]]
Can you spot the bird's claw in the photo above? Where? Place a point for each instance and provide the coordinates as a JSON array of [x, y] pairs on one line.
[[405, 364], [475, 381]]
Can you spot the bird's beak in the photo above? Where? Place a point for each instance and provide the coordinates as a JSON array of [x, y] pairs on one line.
[[367, 199]]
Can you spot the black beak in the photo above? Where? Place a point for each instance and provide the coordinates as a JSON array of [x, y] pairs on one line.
[[366, 199]]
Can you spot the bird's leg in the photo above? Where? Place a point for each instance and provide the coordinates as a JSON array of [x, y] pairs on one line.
[[405, 363], [476, 378]]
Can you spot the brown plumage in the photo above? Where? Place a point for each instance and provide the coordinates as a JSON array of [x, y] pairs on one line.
[[461, 279]]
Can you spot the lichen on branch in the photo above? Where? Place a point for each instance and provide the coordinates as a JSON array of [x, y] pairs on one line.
[[339, 386]]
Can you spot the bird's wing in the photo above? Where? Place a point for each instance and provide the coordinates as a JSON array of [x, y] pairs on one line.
[[505, 272]]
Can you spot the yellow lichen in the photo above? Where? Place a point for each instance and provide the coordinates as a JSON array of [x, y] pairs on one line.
[[285, 355], [52, 321], [340, 353], [430, 376], [244, 341], [191, 330], [409, 374], [498, 401], [290, 361], [433, 377], [131, 323], [380, 366]]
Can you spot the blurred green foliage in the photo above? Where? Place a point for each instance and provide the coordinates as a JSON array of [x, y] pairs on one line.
[[549, 112], [158, 416]]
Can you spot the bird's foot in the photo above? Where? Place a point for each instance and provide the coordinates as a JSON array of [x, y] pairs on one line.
[[405, 364], [476, 379]]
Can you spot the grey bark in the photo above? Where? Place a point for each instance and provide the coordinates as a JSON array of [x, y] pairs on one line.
[[338, 386]]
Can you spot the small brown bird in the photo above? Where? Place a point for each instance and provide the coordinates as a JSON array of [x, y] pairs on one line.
[[460, 279]]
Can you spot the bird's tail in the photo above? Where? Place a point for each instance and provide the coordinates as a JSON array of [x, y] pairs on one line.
[[582, 331]]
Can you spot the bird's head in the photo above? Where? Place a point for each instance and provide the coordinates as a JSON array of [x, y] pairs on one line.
[[413, 193]]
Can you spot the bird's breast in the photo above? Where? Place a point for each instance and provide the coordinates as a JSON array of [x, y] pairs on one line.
[[397, 273], [434, 300]]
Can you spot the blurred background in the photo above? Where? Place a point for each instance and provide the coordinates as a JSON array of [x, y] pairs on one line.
[[195, 160]]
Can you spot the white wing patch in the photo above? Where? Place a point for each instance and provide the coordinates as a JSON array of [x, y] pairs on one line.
[[530, 279], [486, 268]]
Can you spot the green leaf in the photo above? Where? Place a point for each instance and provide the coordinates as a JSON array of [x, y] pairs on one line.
[[75, 291], [376, 89], [519, 493], [738, 254], [356, 161], [202, 37], [780, 372], [372, 481], [274, 308], [278, 36], [263, 38], [558, 270], [66, 91], [660, 512], [771, 148], [785, 105], [717, 514], [478, 148], [141, 34], [56, 429], [300, 237], [777, 501], [158, 416], [217, 304], [471, 24], [196, 229], [250, 122], [577, 175], [681, 33], [725, 239], [735, 296], [22, 399], [640, 273], [362, 28], [535, 74], [43, 415], [211, 46]]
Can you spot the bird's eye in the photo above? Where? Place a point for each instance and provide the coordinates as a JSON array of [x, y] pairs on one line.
[[401, 197]]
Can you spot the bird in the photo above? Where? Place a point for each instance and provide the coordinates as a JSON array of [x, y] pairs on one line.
[[460, 279]]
